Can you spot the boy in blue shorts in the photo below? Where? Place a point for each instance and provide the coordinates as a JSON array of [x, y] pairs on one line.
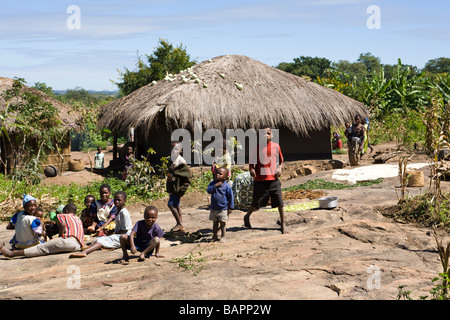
[[222, 202], [145, 236]]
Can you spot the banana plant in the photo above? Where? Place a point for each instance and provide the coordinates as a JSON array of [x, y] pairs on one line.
[[374, 93], [407, 90]]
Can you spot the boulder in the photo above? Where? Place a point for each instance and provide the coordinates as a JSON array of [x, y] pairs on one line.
[[309, 170], [333, 164]]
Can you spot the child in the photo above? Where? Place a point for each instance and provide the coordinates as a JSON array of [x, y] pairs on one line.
[[39, 213], [99, 160], [71, 237], [266, 172], [348, 131], [358, 133], [28, 228], [128, 162], [337, 143], [145, 236], [103, 213], [178, 180], [223, 160], [222, 202], [123, 226], [51, 227], [86, 216]]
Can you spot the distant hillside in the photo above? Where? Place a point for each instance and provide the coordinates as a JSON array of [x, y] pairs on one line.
[[103, 92]]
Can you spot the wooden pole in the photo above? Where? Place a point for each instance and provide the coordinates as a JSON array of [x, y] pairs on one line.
[[115, 146]]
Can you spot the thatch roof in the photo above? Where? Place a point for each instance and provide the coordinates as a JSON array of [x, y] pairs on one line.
[[233, 92], [66, 114]]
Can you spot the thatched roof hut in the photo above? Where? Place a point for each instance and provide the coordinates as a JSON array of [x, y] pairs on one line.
[[234, 92], [66, 114]]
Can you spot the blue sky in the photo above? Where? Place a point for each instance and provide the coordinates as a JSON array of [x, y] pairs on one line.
[[36, 43]]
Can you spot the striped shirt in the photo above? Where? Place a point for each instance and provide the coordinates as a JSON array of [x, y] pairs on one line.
[[74, 227]]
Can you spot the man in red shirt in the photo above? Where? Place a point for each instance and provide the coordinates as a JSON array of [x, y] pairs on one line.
[[265, 168]]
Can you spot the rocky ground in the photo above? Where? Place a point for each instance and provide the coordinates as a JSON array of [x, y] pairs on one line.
[[351, 252]]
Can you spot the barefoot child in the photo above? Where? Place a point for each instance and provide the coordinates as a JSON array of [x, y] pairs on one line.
[[222, 202], [266, 170], [123, 226], [145, 236], [178, 180]]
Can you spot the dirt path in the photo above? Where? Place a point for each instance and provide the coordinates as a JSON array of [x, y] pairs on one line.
[[350, 252]]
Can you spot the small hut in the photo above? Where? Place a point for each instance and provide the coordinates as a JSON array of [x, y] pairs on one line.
[[58, 158], [232, 92]]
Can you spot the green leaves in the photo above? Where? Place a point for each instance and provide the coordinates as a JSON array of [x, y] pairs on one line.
[[311, 67], [165, 59], [31, 125]]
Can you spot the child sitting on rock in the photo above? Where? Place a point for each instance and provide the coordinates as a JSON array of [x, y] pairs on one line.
[[145, 236], [28, 228], [123, 226]]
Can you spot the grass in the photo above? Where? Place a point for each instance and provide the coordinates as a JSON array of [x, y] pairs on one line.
[[51, 196], [329, 185], [422, 210], [191, 262]]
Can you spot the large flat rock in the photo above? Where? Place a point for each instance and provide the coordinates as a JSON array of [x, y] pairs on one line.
[[350, 252]]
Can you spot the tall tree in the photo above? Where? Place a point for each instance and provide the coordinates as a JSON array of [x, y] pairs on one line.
[[357, 71], [372, 63], [438, 65], [165, 59], [312, 67]]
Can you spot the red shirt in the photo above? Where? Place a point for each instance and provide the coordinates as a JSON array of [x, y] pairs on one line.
[[268, 160]]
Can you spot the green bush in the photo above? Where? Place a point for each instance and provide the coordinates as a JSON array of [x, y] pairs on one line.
[[423, 210], [406, 129]]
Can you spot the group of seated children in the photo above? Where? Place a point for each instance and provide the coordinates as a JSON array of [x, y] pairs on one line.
[[30, 238], [110, 221]]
